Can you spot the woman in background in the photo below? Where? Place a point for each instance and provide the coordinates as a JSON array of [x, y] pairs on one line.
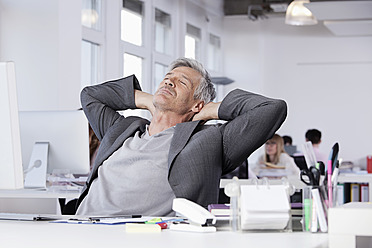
[[276, 162]]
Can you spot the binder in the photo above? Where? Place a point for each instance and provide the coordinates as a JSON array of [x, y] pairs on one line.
[[369, 163], [354, 192], [364, 192], [347, 193], [340, 194]]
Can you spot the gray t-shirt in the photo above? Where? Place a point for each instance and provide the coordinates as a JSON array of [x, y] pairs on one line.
[[134, 179]]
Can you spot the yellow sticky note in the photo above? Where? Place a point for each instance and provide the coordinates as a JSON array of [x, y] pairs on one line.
[[139, 227]]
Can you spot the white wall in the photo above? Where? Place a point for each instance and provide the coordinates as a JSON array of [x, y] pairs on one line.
[[43, 38], [326, 80]]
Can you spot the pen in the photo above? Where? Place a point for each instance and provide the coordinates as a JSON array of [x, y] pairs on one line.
[[114, 217], [335, 173], [329, 173]]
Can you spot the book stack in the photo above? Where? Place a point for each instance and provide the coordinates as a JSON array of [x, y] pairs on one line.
[[219, 210]]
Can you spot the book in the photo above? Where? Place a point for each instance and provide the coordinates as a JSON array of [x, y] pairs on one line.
[[219, 209], [274, 166]]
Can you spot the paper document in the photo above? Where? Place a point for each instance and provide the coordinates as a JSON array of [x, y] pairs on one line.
[[264, 207]]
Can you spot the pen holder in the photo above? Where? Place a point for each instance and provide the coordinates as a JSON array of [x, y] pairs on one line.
[[315, 209]]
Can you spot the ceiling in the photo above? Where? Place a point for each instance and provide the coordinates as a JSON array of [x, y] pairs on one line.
[[341, 17], [240, 7]]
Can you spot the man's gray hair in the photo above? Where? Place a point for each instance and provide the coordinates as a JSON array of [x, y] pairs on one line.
[[205, 90]]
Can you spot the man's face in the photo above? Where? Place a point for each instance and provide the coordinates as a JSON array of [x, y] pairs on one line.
[[176, 91]]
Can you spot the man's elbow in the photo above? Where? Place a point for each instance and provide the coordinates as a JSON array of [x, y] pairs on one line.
[[281, 109], [84, 95]]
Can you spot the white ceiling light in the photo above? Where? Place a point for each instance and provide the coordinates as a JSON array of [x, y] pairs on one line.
[[298, 14]]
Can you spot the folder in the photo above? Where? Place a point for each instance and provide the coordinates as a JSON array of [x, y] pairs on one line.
[[354, 192], [364, 193]]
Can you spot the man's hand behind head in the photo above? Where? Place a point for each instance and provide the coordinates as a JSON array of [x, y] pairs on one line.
[[208, 112]]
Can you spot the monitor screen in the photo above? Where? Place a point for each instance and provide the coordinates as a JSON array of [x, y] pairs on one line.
[[67, 133], [11, 171]]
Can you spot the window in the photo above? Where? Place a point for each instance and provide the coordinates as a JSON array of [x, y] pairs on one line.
[[89, 63], [192, 42], [133, 65], [131, 22], [92, 38], [160, 71], [90, 14], [214, 52], [162, 32]]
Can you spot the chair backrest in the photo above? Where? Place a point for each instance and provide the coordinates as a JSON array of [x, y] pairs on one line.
[[241, 172], [300, 162]]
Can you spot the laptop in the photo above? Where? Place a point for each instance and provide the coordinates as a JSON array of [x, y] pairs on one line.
[[27, 217]]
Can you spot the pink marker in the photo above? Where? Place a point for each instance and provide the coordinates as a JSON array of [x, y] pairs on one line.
[[329, 173]]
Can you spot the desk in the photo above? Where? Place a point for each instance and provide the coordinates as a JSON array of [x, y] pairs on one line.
[[45, 234], [33, 201]]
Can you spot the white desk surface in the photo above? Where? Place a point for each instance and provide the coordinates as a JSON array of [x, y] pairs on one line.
[[45, 234]]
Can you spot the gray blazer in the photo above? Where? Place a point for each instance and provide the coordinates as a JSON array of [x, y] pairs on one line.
[[199, 154]]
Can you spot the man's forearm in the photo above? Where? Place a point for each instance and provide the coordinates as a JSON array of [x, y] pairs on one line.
[[143, 100], [101, 102]]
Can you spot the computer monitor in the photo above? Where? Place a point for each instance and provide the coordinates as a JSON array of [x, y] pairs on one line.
[[11, 171], [290, 149], [67, 133]]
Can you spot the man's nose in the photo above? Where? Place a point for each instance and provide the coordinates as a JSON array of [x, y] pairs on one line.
[[169, 83]]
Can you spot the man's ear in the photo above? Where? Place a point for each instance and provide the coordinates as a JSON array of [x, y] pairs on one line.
[[197, 107]]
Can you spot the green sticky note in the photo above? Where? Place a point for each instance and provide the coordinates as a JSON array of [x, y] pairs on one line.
[[154, 221]]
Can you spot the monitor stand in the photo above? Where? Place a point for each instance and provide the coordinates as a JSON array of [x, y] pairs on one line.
[[35, 174]]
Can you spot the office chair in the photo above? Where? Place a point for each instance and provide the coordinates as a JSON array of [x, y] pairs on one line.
[[241, 172]]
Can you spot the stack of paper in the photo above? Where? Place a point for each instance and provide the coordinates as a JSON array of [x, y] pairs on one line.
[[264, 207]]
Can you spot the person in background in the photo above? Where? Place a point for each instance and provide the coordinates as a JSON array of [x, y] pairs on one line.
[[288, 146], [276, 162], [287, 140], [315, 137]]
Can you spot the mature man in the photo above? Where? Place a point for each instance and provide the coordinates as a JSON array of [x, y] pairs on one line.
[[142, 166]]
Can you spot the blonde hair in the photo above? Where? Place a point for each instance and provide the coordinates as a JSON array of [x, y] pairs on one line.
[[279, 149]]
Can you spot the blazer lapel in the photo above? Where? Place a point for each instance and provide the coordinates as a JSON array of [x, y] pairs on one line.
[[181, 136]]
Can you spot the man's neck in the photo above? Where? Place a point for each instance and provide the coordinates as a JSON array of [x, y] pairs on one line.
[[316, 145], [164, 120]]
